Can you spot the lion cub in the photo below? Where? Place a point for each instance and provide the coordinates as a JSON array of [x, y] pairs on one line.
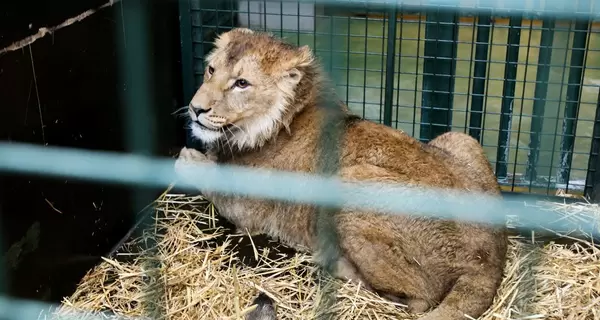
[[258, 107]]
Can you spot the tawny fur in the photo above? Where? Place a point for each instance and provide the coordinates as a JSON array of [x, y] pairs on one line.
[[274, 123]]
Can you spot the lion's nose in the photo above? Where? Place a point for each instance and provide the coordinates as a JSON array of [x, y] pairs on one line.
[[199, 110]]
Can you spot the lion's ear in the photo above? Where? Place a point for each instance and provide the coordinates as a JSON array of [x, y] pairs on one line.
[[304, 56], [292, 69], [222, 40], [297, 58], [293, 76]]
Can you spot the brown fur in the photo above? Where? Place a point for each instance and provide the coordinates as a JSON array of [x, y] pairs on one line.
[[265, 309], [451, 265]]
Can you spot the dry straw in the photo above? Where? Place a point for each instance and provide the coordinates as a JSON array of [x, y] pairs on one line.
[[199, 269]]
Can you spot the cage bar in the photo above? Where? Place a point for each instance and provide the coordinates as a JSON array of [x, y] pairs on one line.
[[439, 69], [187, 58], [136, 71], [592, 181], [479, 75], [508, 95], [569, 126], [541, 90], [390, 66], [187, 61]]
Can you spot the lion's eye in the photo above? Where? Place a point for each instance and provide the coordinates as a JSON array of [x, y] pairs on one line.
[[211, 70], [241, 83]]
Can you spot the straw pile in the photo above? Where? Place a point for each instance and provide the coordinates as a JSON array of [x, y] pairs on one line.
[[197, 269]]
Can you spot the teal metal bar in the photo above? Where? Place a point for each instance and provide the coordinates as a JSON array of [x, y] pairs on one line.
[[294, 187], [541, 90], [479, 75], [390, 66], [569, 126], [439, 69], [508, 95]]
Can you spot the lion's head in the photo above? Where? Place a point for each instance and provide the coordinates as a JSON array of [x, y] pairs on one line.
[[253, 84]]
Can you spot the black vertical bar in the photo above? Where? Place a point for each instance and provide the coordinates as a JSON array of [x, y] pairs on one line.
[[3, 264], [390, 66], [569, 126], [508, 95], [541, 90], [592, 181], [137, 73], [441, 33], [187, 61], [479, 73]]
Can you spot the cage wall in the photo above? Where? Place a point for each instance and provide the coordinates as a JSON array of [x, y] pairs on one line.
[[526, 88]]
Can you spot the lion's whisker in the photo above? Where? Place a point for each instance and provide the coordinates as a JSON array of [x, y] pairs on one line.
[[227, 140]]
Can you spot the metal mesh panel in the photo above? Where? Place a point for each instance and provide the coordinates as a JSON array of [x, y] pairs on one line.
[[516, 84]]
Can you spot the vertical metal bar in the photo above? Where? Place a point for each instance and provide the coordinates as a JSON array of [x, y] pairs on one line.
[[508, 95], [136, 71], [398, 104], [187, 58], [441, 33], [487, 85], [592, 181], [519, 126], [382, 74], [328, 164], [556, 97], [187, 61], [348, 44], [414, 119], [3, 263], [364, 108], [390, 66], [479, 76], [569, 126], [541, 90]]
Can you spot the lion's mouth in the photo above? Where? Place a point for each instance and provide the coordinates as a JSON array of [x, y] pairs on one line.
[[205, 127], [226, 127]]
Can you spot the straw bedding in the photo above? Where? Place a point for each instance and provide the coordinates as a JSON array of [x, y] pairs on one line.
[[194, 267]]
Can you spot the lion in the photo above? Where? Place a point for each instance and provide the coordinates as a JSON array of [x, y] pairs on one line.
[[259, 107]]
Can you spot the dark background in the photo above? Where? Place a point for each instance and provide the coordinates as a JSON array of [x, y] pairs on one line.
[[55, 230]]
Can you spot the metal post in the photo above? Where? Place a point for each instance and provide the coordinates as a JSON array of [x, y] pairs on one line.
[[479, 79], [3, 264], [569, 126], [136, 72], [592, 181], [508, 95], [187, 61], [389, 66], [541, 90], [439, 68]]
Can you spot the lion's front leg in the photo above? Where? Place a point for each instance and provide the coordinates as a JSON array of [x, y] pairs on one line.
[[188, 158]]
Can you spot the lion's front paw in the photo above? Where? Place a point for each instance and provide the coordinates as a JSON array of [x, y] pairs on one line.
[[191, 155], [188, 157]]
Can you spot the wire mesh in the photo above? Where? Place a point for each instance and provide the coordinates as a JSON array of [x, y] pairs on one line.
[[526, 87]]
